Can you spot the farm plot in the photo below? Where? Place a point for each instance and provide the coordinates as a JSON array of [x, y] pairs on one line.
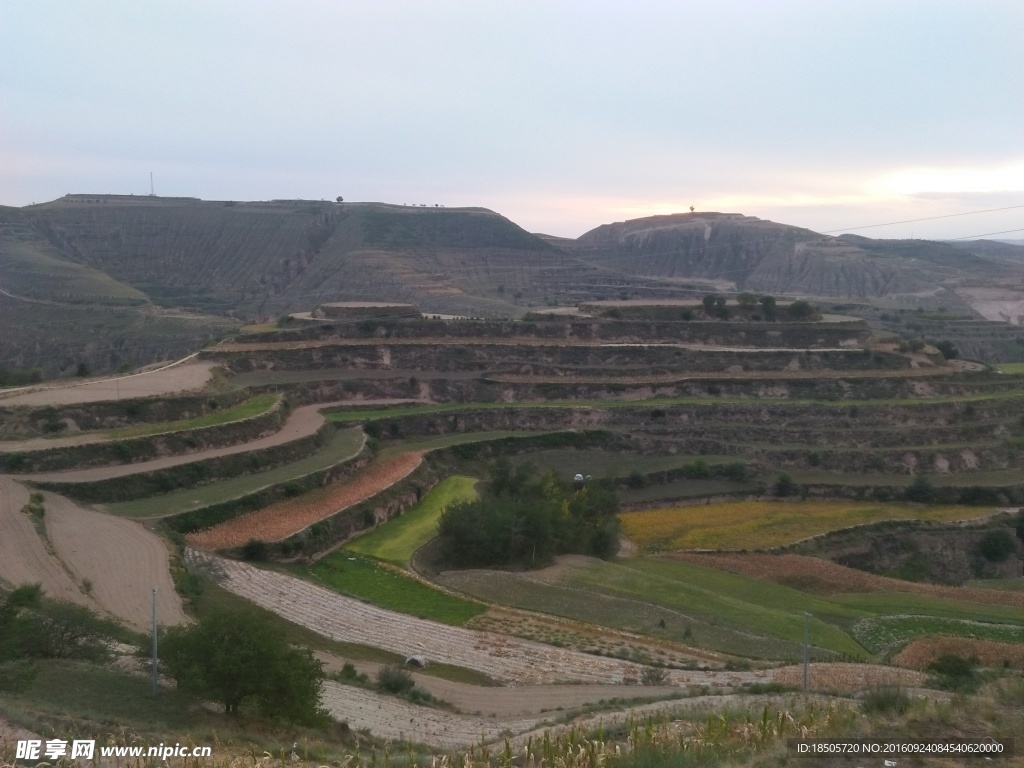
[[345, 444], [281, 520], [763, 524], [164, 381], [884, 634], [689, 625], [24, 556], [399, 538], [848, 677], [399, 721], [388, 587], [508, 660], [823, 577], [119, 560]]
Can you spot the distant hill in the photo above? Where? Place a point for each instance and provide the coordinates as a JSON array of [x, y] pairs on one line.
[[194, 268], [749, 254]]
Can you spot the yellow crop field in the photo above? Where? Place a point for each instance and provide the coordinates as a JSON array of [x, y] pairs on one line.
[[763, 524]]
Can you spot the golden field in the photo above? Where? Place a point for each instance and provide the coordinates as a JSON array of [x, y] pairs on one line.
[[765, 524]]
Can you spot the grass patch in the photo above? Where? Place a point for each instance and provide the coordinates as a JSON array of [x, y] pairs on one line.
[[744, 603], [105, 698], [417, 410], [254, 407], [1011, 367], [365, 579], [399, 538], [760, 524], [344, 445]]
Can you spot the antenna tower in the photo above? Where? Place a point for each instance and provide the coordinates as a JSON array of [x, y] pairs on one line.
[[151, 192]]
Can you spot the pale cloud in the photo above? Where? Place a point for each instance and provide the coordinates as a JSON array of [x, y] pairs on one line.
[[1007, 177]]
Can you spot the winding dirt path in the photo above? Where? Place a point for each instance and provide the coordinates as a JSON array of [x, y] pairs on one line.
[[183, 375]]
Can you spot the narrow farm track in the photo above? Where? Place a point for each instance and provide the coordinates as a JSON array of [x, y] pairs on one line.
[[286, 518], [507, 659], [170, 379], [396, 720], [302, 422], [120, 559], [24, 558]]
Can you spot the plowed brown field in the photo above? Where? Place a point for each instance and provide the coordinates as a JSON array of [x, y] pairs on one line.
[[281, 520], [823, 577], [848, 677], [118, 558], [923, 651]]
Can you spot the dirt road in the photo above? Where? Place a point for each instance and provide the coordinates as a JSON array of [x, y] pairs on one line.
[[302, 422], [179, 377]]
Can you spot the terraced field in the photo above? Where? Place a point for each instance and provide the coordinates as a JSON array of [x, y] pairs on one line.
[[763, 525], [659, 421]]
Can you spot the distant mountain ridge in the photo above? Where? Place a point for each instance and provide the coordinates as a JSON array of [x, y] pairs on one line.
[[220, 259]]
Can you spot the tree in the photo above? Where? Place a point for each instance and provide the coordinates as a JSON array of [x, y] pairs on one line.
[[709, 303], [746, 300], [768, 307], [239, 660], [921, 490], [340, 199]]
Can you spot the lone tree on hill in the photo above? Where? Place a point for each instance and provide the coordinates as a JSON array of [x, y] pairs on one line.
[[238, 660]]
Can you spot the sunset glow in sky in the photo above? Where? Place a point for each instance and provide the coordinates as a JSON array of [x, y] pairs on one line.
[[559, 115]]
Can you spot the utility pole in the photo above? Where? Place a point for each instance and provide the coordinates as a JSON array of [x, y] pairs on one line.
[[154, 644], [807, 617], [152, 193]]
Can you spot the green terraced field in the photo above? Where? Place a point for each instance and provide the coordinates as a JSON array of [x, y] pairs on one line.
[[369, 580], [345, 444], [254, 407], [888, 634], [399, 538], [447, 441]]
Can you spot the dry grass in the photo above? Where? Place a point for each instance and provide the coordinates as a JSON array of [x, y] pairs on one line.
[[763, 524], [847, 678], [925, 650]]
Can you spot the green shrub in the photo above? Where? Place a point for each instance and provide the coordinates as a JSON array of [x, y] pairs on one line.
[[996, 546], [885, 700], [394, 679]]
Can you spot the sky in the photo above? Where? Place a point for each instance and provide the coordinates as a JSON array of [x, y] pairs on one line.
[[561, 115]]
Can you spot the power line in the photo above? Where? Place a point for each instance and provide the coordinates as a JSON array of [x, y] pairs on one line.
[[928, 218], [988, 234]]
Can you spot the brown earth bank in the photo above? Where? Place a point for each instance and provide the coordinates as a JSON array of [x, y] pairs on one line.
[[286, 518], [823, 577]]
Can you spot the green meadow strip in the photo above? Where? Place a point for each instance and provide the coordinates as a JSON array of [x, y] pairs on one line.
[[385, 413], [254, 407], [400, 537]]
